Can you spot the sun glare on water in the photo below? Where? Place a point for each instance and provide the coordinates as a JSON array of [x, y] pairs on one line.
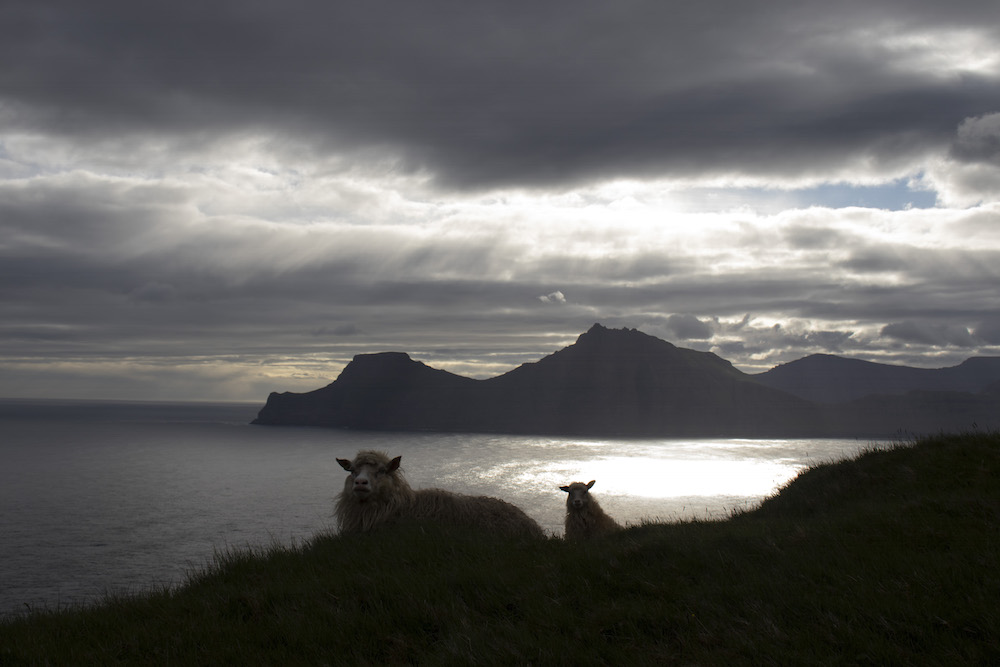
[[669, 478]]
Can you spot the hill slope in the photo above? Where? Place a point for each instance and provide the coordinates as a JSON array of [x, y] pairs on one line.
[[825, 378]]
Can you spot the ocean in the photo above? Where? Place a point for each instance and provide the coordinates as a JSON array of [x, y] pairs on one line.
[[103, 497]]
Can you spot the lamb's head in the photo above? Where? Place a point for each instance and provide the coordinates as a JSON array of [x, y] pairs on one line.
[[374, 476], [579, 495]]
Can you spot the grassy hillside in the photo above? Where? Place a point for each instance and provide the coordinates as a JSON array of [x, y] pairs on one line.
[[891, 558]]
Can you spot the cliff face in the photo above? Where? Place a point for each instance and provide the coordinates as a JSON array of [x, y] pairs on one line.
[[620, 382], [610, 382], [386, 391]]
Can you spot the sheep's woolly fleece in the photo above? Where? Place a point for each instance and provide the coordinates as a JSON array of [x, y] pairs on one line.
[[390, 498], [584, 516]]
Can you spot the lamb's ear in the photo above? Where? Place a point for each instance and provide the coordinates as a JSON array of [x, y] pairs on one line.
[[345, 464], [565, 488], [591, 485], [394, 464]]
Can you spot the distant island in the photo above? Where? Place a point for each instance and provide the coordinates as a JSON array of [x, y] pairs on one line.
[[624, 383]]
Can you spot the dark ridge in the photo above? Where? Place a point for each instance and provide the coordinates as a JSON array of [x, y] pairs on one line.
[[622, 382], [824, 378]]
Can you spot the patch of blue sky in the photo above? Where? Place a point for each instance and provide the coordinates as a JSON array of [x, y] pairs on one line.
[[897, 195]]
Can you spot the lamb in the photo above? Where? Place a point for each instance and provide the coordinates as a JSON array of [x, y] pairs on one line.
[[375, 493], [584, 516]]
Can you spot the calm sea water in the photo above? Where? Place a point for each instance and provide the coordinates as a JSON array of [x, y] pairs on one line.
[[101, 497]]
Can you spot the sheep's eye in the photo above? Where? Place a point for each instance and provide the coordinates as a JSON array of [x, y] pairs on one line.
[[381, 471]]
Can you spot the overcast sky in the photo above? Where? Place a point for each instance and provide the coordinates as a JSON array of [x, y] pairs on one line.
[[216, 200]]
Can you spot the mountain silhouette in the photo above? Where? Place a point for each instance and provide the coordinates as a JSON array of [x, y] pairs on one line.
[[384, 391], [627, 382], [622, 382], [824, 378], [610, 382]]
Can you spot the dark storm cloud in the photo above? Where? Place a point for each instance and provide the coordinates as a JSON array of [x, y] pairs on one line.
[[989, 330], [941, 335], [978, 140], [689, 327], [482, 94]]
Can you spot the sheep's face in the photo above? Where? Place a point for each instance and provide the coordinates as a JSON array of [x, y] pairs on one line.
[[369, 475], [579, 494]]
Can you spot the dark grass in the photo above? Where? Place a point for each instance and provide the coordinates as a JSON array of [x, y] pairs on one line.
[[890, 558]]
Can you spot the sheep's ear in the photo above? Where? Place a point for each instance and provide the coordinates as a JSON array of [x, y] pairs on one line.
[[394, 464], [345, 464], [565, 488], [591, 483]]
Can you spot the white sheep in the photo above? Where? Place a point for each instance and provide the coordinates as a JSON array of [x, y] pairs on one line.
[[375, 492], [584, 516]]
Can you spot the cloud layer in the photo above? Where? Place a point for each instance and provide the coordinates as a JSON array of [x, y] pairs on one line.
[[228, 199], [484, 95]]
